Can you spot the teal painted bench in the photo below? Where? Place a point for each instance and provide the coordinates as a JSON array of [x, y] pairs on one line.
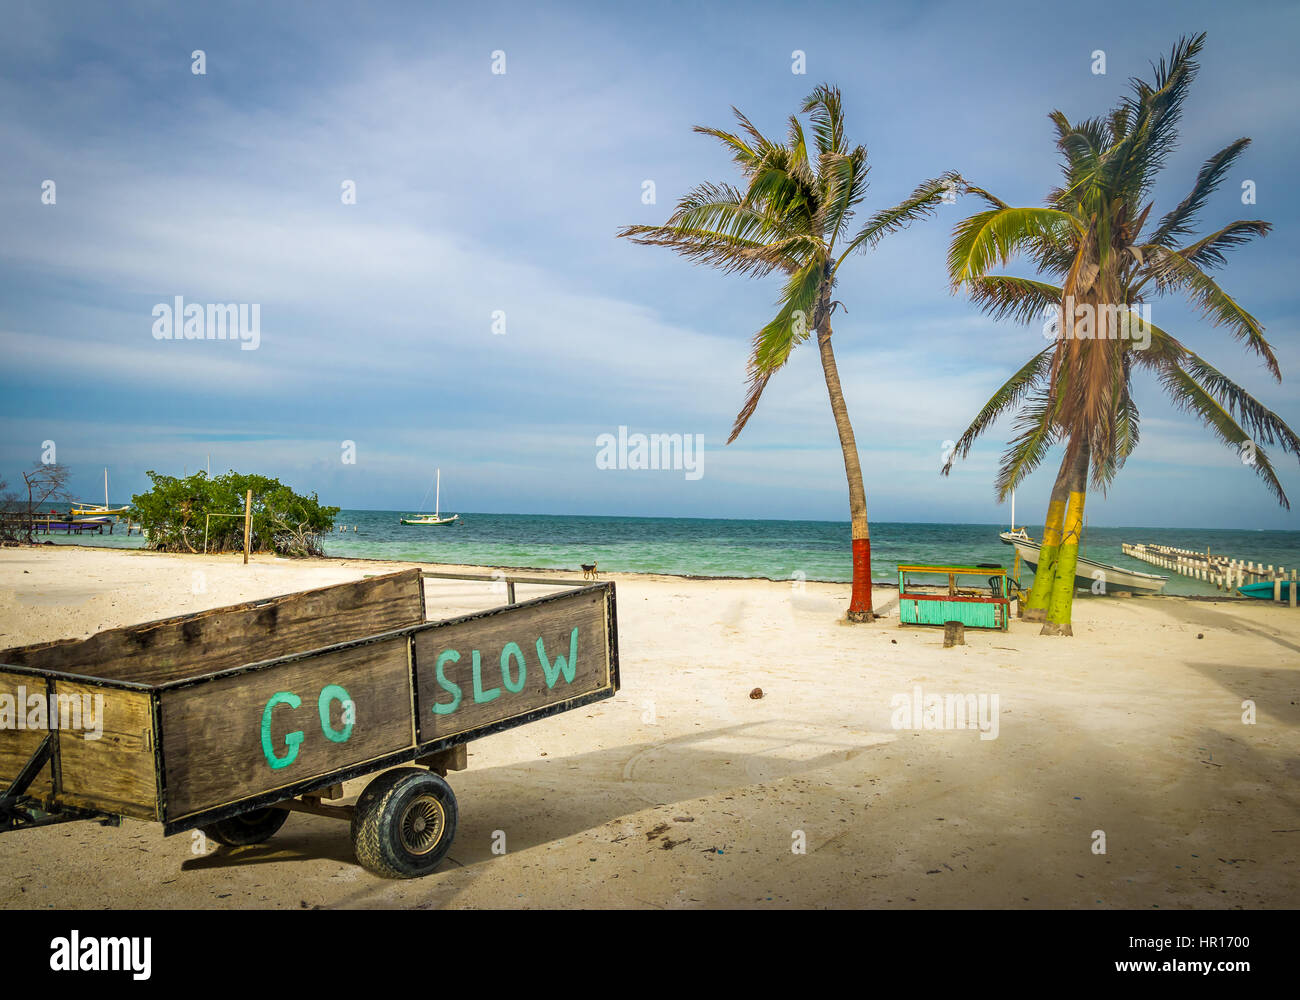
[[984, 604]]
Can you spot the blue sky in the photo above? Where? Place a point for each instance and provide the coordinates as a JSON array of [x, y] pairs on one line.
[[480, 192]]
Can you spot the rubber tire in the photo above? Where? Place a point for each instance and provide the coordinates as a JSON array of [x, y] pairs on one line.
[[254, 827], [377, 822]]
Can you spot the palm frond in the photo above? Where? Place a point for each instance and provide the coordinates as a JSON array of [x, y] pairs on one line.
[[1155, 110], [742, 152], [1028, 378], [713, 225], [1188, 395], [1208, 251], [792, 325], [1037, 425], [1166, 353], [1002, 296], [798, 146], [1179, 222], [1174, 271], [979, 192], [825, 109], [921, 203], [843, 180], [997, 235]]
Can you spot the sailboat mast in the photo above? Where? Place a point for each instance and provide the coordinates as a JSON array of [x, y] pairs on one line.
[[437, 496], [1013, 510], [106, 487]]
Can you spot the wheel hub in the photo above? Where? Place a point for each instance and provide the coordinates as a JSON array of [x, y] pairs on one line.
[[423, 824]]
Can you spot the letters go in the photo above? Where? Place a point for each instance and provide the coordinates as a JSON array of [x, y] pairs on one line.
[[329, 694]]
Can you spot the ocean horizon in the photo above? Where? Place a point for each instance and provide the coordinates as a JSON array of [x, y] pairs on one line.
[[773, 549]]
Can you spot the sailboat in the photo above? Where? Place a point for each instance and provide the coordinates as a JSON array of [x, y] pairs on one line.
[[1086, 570], [436, 517], [98, 512]]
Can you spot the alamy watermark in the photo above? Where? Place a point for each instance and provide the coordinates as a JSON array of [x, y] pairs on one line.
[[945, 711], [215, 321], [39, 710], [76, 953], [1085, 321], [680, 452]]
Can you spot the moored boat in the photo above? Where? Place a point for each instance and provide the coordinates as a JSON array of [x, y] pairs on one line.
[[436, 517], [80, 508], [1086, 570]]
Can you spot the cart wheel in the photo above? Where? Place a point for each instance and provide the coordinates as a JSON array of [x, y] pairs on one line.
[[404, 823], [248, 828]]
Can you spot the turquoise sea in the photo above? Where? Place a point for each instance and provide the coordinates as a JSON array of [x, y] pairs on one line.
[[721, 547]]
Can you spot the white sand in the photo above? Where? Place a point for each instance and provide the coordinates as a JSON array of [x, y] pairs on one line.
[[1133, 727]]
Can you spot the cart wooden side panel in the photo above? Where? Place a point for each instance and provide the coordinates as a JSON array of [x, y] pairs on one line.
[[237, 742], [108, 763], [513, 662], [208, 641], [245, 734]]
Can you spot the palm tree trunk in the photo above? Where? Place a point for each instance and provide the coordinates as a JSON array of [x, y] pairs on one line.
[[1061, 602], [860, 599], [1045, 575]]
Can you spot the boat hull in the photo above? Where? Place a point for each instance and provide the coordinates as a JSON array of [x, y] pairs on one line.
[[1116, 577], [1263, 590], [431, 522]]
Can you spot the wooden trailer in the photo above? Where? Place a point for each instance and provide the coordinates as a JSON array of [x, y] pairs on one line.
[[226, 720]]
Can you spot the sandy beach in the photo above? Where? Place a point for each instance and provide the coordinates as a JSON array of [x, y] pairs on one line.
[[683, 791]]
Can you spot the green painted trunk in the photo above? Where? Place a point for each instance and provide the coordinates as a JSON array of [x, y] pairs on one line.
[[1044, 576], [1061, 603]]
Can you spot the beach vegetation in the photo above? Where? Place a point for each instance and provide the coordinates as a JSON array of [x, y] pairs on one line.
[[44, 483], [196, 514]]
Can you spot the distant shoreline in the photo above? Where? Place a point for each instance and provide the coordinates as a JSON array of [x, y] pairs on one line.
[[691, 577]]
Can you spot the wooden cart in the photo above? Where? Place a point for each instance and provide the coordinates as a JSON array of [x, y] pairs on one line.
[[226, 720]]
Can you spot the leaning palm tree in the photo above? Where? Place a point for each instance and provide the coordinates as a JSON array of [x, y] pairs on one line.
[[1094, 241], [794, 216]]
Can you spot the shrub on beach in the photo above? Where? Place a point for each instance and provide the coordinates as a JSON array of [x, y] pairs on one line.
[[176, 512]]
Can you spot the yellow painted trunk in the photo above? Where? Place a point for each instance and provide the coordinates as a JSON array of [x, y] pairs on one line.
[[1061, 601], [1045, 573]]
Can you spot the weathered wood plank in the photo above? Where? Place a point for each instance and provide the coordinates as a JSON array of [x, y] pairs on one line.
[[108, 763], [235, 737], [17, 745], [510, 663], [208, 641]]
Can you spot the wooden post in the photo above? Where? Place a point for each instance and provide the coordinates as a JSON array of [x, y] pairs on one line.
[[248, 523], [954, 634], [1277, 591]]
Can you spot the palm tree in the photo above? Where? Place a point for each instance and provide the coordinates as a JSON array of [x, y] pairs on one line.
[[1094, 239], [793, 216]]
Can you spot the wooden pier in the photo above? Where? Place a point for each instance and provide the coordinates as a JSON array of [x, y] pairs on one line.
[[53, 523], [1223, 571]]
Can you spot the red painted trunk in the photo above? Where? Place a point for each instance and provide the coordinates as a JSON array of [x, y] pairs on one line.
[[861, 598]]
